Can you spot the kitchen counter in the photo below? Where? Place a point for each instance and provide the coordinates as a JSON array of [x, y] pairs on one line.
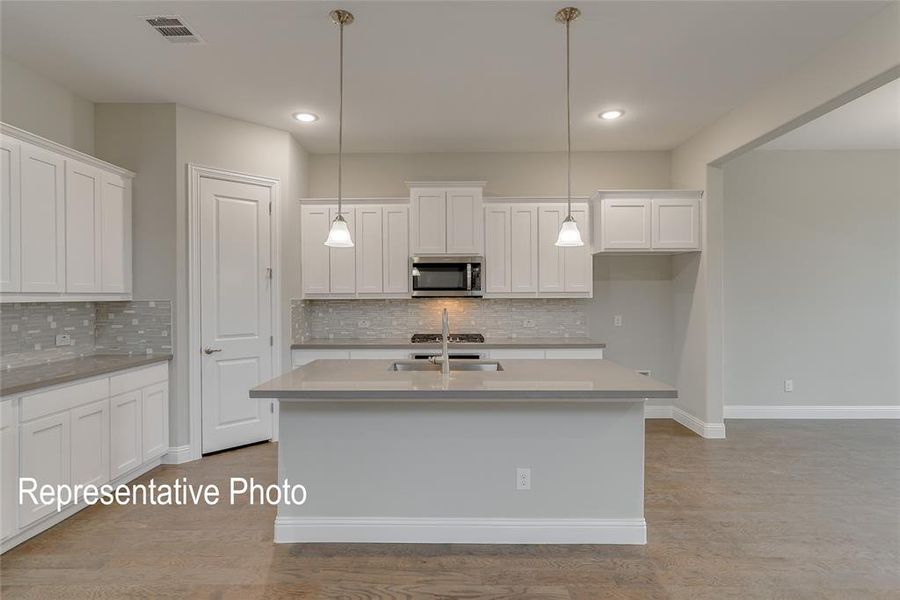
[[372, 380], [32, 377], [489, 343]]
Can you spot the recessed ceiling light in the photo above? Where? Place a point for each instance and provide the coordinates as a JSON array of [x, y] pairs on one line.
[[305, 117], [611, 115]]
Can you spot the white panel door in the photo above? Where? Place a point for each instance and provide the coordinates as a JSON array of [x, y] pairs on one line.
[[429, 221], [124, 433], [676, 223], [43, 214], [395, 248], [115, 234], [523, 253], [577, 260], [10, 225], [236, 312], [44, 454], [83, 183], [9, 470], [314, 225], [465, 221], [496, 249], [369, 253], [343, 260], [550, 257], [626, 224], [154, 421], [90, 443]]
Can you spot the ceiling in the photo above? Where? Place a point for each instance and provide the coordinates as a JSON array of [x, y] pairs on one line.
[[436, 76], [871, 122]]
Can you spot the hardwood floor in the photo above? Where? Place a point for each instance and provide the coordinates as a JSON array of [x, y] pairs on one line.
[[781, 509]]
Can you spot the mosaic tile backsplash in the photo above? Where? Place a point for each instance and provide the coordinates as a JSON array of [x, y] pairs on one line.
[[28, 330], [495, 318]]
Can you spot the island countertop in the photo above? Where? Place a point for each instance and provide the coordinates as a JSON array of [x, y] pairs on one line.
[[520, 380]]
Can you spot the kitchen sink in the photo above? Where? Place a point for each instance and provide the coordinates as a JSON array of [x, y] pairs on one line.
[[455, 365]]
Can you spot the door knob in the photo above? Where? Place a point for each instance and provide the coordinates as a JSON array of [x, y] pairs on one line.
[[209, 350]]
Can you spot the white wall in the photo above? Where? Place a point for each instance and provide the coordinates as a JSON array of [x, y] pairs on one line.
[[36, 104], [506, 173], [812, 293]]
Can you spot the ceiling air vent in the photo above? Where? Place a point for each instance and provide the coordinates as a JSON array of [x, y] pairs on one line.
[[174, 30]]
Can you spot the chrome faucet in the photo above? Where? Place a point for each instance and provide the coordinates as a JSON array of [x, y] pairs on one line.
[[444, 358]]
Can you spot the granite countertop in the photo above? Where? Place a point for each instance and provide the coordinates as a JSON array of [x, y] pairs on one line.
[[520, 380], [32, 377], [489, 343]]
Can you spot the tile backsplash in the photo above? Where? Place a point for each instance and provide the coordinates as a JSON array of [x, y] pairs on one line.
[[28, 330], [495, 318]]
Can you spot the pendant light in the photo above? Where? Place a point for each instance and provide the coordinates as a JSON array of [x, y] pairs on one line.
[[568, 232], [339, 235]]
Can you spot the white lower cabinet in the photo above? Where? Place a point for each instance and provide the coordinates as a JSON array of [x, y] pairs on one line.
[[93, 432], [125, 451], [541, 353], [302, 357]]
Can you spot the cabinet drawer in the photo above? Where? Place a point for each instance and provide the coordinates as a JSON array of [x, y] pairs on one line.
[[302, 357], [8, 413], [42, 404], [119, 384], [575, 353]]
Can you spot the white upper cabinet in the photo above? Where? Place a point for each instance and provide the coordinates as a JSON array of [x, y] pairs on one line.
[[566, 270], [676, 223], [343, 260], [447, 218], [42, 231], [395, 249], [65, 223], [10, 206], [497, 250], [314, 225], [369, 256], [577, 259], [523, 252], [647, 221]]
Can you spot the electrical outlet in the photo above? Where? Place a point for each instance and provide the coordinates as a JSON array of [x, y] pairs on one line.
[[523, 478], [362, 324], [64, 339], [789, 385], [617, 321], [528, 323]]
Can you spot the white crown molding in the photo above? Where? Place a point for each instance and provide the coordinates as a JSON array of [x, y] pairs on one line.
[[290, 530], [811, 412], [26, 136]]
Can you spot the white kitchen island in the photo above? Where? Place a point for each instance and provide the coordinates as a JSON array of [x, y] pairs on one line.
[[418, 457]]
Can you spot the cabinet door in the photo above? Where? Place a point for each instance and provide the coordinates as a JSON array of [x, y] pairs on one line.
[[125, 451], [369, 254], [9, 469], [577, 259], [90, 443], [304, 357], [155, 420], [343, 260], [396, 249], [45, 456], [115, 234], [43, 224], [83, 184], [429, 220], [315, 262], [523, 253], [496, 249], [676, 224], [465, 221], [550, 257], [626, 224], [10, 205]]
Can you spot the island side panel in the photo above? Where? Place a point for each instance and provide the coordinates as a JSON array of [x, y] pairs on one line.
[[426, 472]]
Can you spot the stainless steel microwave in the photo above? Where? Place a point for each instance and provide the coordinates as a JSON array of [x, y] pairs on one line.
[[446, 276]]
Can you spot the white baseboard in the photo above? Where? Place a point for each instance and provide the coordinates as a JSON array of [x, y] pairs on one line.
[[657, 411], [291, 530], [178, 455], [713, 431], [811, 412]]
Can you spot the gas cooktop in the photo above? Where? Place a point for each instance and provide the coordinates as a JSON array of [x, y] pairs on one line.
[[454, 338]]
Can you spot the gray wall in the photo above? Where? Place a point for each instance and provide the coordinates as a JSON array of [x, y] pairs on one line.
[[812, 278], [36, 104]]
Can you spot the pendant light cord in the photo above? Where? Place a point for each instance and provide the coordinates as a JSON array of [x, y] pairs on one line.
[[568, 126], [340, 118]]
